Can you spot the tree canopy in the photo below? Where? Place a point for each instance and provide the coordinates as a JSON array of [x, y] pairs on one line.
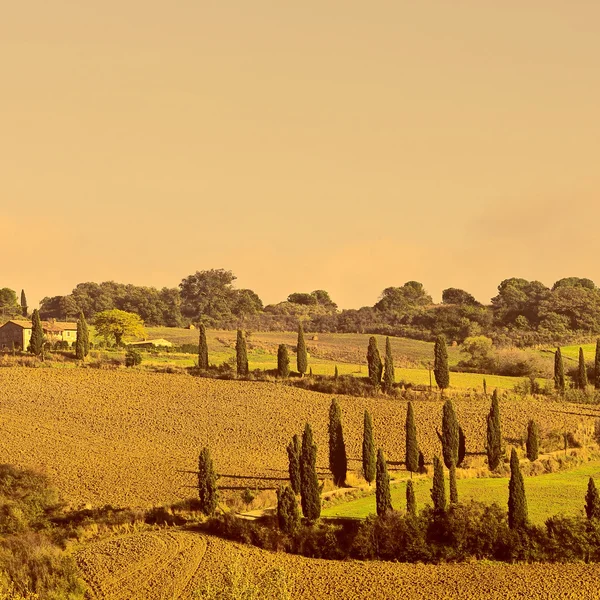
[[117, 324]]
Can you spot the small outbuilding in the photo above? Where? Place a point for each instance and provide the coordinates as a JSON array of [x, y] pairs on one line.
[[158, 343]]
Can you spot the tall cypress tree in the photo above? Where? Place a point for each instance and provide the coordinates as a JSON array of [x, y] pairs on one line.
[[283, 362], [597, 366], [412, 447], [368, 450], [532, 443], [310, 492], [288, 515], [450, 434], [517, 502], [374, 362], [389, 377], [453, 487], [462, 446], [85, 332], [383, 498], [207, 484], [494, 435], [202, 348], [559, 371], [24, 307], [592, 501], [438, 491], [582, 379], [241, 354], [338, 462], [301, 353], [293, 452], [36, 343], [79, 342], [440, 363], [411, 501]]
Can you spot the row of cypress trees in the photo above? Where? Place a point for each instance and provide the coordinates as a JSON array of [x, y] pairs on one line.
[[582, 374]]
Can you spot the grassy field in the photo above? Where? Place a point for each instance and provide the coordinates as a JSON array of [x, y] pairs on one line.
[[571, 353], [547, 495]]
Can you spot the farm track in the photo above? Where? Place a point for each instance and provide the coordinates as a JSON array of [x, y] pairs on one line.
[[131, 438], [172, 564]]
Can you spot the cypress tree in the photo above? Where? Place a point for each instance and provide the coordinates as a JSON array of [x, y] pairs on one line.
[[302, 355], [293, 452], [310, 492], [368, 450], [559, 371], [241, 354], [288, 515], [453, 488], [202, 348], [411, 501], [532, 442], [422, 467], [336, 373], [412, 448], [597, 366], [374, 362], [494, 435], [79, 343], [338, 463], [462, 446], [389, 377], [438, 491], [484, 387], [592, 501], [283, 362], [450, 434], [24, 307], [383, 497], [85, 334], [440, 363], [517, 502], [207, 484], [582, 379], [36, 343]]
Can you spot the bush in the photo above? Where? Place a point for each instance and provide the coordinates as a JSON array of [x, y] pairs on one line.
[[133, 358]]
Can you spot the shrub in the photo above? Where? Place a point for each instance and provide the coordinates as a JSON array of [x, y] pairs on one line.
[[133, 358]]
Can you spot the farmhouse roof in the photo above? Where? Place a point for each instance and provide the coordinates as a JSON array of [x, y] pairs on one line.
[[47, 325], [156, 342]]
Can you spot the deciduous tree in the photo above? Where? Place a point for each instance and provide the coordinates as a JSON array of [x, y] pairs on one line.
[[517, 502], [369, 458], [383, 497], [338, 462], [207, 484], [117, 324]]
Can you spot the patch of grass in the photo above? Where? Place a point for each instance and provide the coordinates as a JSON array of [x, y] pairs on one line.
[[547, 495]]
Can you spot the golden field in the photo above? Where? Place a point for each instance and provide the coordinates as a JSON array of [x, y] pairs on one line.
[[180, 565], [132, 438]]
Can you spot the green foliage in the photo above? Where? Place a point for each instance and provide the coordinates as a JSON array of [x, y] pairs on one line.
[[336, 373], [411, 501], [412, 447], [24, 307], [450, 434], [422, 467], [202, 348], [133, 357], [85, 334], [283, 362], [9, 307], [389, 377], [582, 379], [453, 488], [438, 491], [301, 352], [462, 446], [293, 452], [241, 354], [517, 502], [532, 442], [338, 462], [374, 362], [79, 343], [310, 491], [559, 371], [117, 324], [440, 363], [368, 449], [494, 434], [288, 515], [592, 501], [597, 365], [383, 497], [36, 343], [207, 484]]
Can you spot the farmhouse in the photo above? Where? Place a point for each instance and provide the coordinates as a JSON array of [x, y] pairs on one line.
[[16, 334], [158, 343]]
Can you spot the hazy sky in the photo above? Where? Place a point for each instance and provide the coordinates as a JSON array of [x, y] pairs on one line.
[[343, 145]]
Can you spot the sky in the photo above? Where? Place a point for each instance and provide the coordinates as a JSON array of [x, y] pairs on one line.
[[340, 145]]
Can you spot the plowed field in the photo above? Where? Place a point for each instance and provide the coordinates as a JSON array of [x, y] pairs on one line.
[[127, 438], [152, 566]]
